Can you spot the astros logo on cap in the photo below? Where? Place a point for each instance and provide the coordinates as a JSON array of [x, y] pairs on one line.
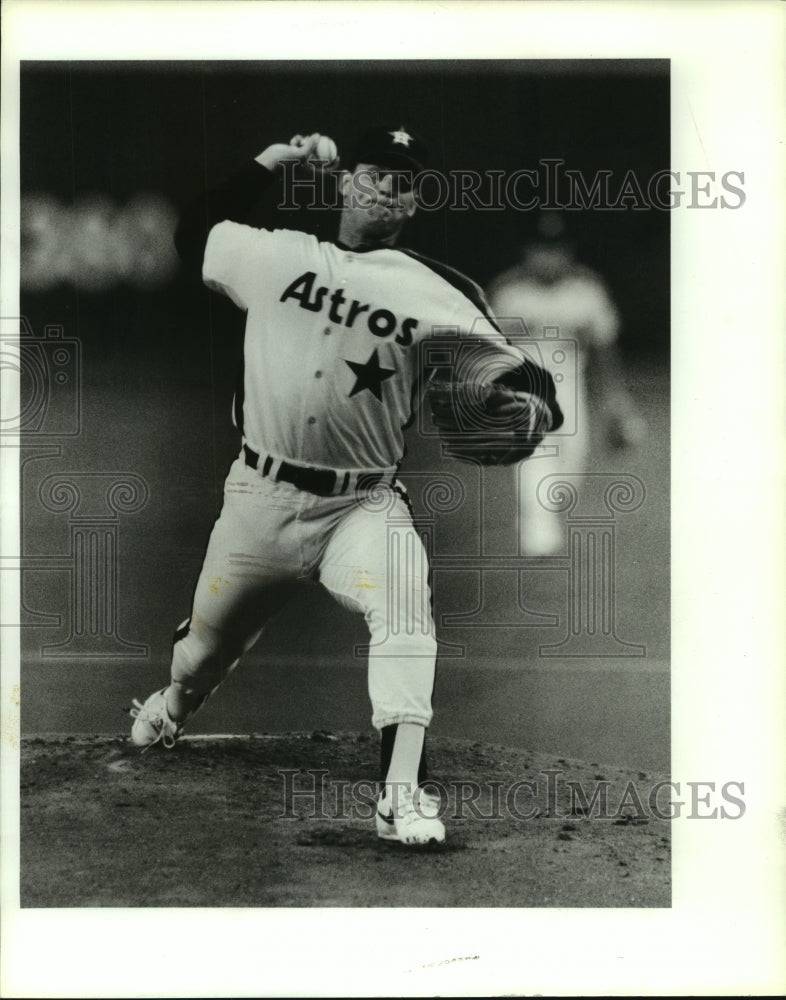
[[401, 136]]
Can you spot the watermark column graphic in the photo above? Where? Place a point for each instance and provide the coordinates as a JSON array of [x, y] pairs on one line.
[[94, 501], [497, 578], [39, 420], [41, 407], [591, 500]]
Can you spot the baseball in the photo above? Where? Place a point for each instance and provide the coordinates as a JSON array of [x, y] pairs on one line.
[[325, 149]]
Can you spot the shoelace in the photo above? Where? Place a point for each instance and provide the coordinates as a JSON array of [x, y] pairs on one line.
[[159, 723], [432, 801], [407, 809], [428, 803]]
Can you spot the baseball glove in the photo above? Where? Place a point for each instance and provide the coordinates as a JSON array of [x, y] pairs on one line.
[[491, 424]]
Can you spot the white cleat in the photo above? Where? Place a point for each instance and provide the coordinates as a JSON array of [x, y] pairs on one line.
[[415, 822], [152, 723]]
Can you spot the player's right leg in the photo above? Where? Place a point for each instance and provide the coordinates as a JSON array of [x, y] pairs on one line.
[[375, 563], [246, 577]]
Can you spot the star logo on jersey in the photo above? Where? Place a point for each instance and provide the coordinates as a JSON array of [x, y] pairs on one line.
[[401, 137], [369, 376]]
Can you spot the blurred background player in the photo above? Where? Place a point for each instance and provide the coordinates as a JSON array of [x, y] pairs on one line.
[[550, 296]]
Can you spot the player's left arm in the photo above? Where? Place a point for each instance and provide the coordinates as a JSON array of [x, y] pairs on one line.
[[496, 404], [484, 358], [491, 358]]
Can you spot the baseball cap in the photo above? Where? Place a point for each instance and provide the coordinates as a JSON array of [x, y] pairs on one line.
[[391, 146]]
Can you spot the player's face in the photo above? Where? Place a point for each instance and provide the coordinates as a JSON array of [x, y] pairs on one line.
[[380, 197]]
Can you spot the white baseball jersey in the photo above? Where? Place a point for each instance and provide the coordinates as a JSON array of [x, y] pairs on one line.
[[331, 343]]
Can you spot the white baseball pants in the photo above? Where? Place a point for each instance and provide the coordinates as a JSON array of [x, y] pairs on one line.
[[363, 548]]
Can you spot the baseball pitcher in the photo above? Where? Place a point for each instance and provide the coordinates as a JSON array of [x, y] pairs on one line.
[[332, 372]]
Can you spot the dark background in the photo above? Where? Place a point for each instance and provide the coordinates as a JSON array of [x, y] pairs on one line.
[[158, 371], [172, 128]]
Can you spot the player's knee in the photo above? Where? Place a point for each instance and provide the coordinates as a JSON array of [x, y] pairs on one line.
[[409, 618]]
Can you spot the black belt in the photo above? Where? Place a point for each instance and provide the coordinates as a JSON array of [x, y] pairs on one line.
[[322, 482]]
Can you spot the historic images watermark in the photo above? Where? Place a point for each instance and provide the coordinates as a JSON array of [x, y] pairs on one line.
[[549, 185], [313, 794]]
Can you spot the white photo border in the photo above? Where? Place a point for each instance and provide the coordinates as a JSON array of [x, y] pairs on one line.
[[724, 933]]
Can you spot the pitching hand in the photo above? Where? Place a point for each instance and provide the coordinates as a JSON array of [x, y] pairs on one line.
[[302, 148]]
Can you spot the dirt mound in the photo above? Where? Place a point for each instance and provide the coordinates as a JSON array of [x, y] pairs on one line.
[[266, 820]]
